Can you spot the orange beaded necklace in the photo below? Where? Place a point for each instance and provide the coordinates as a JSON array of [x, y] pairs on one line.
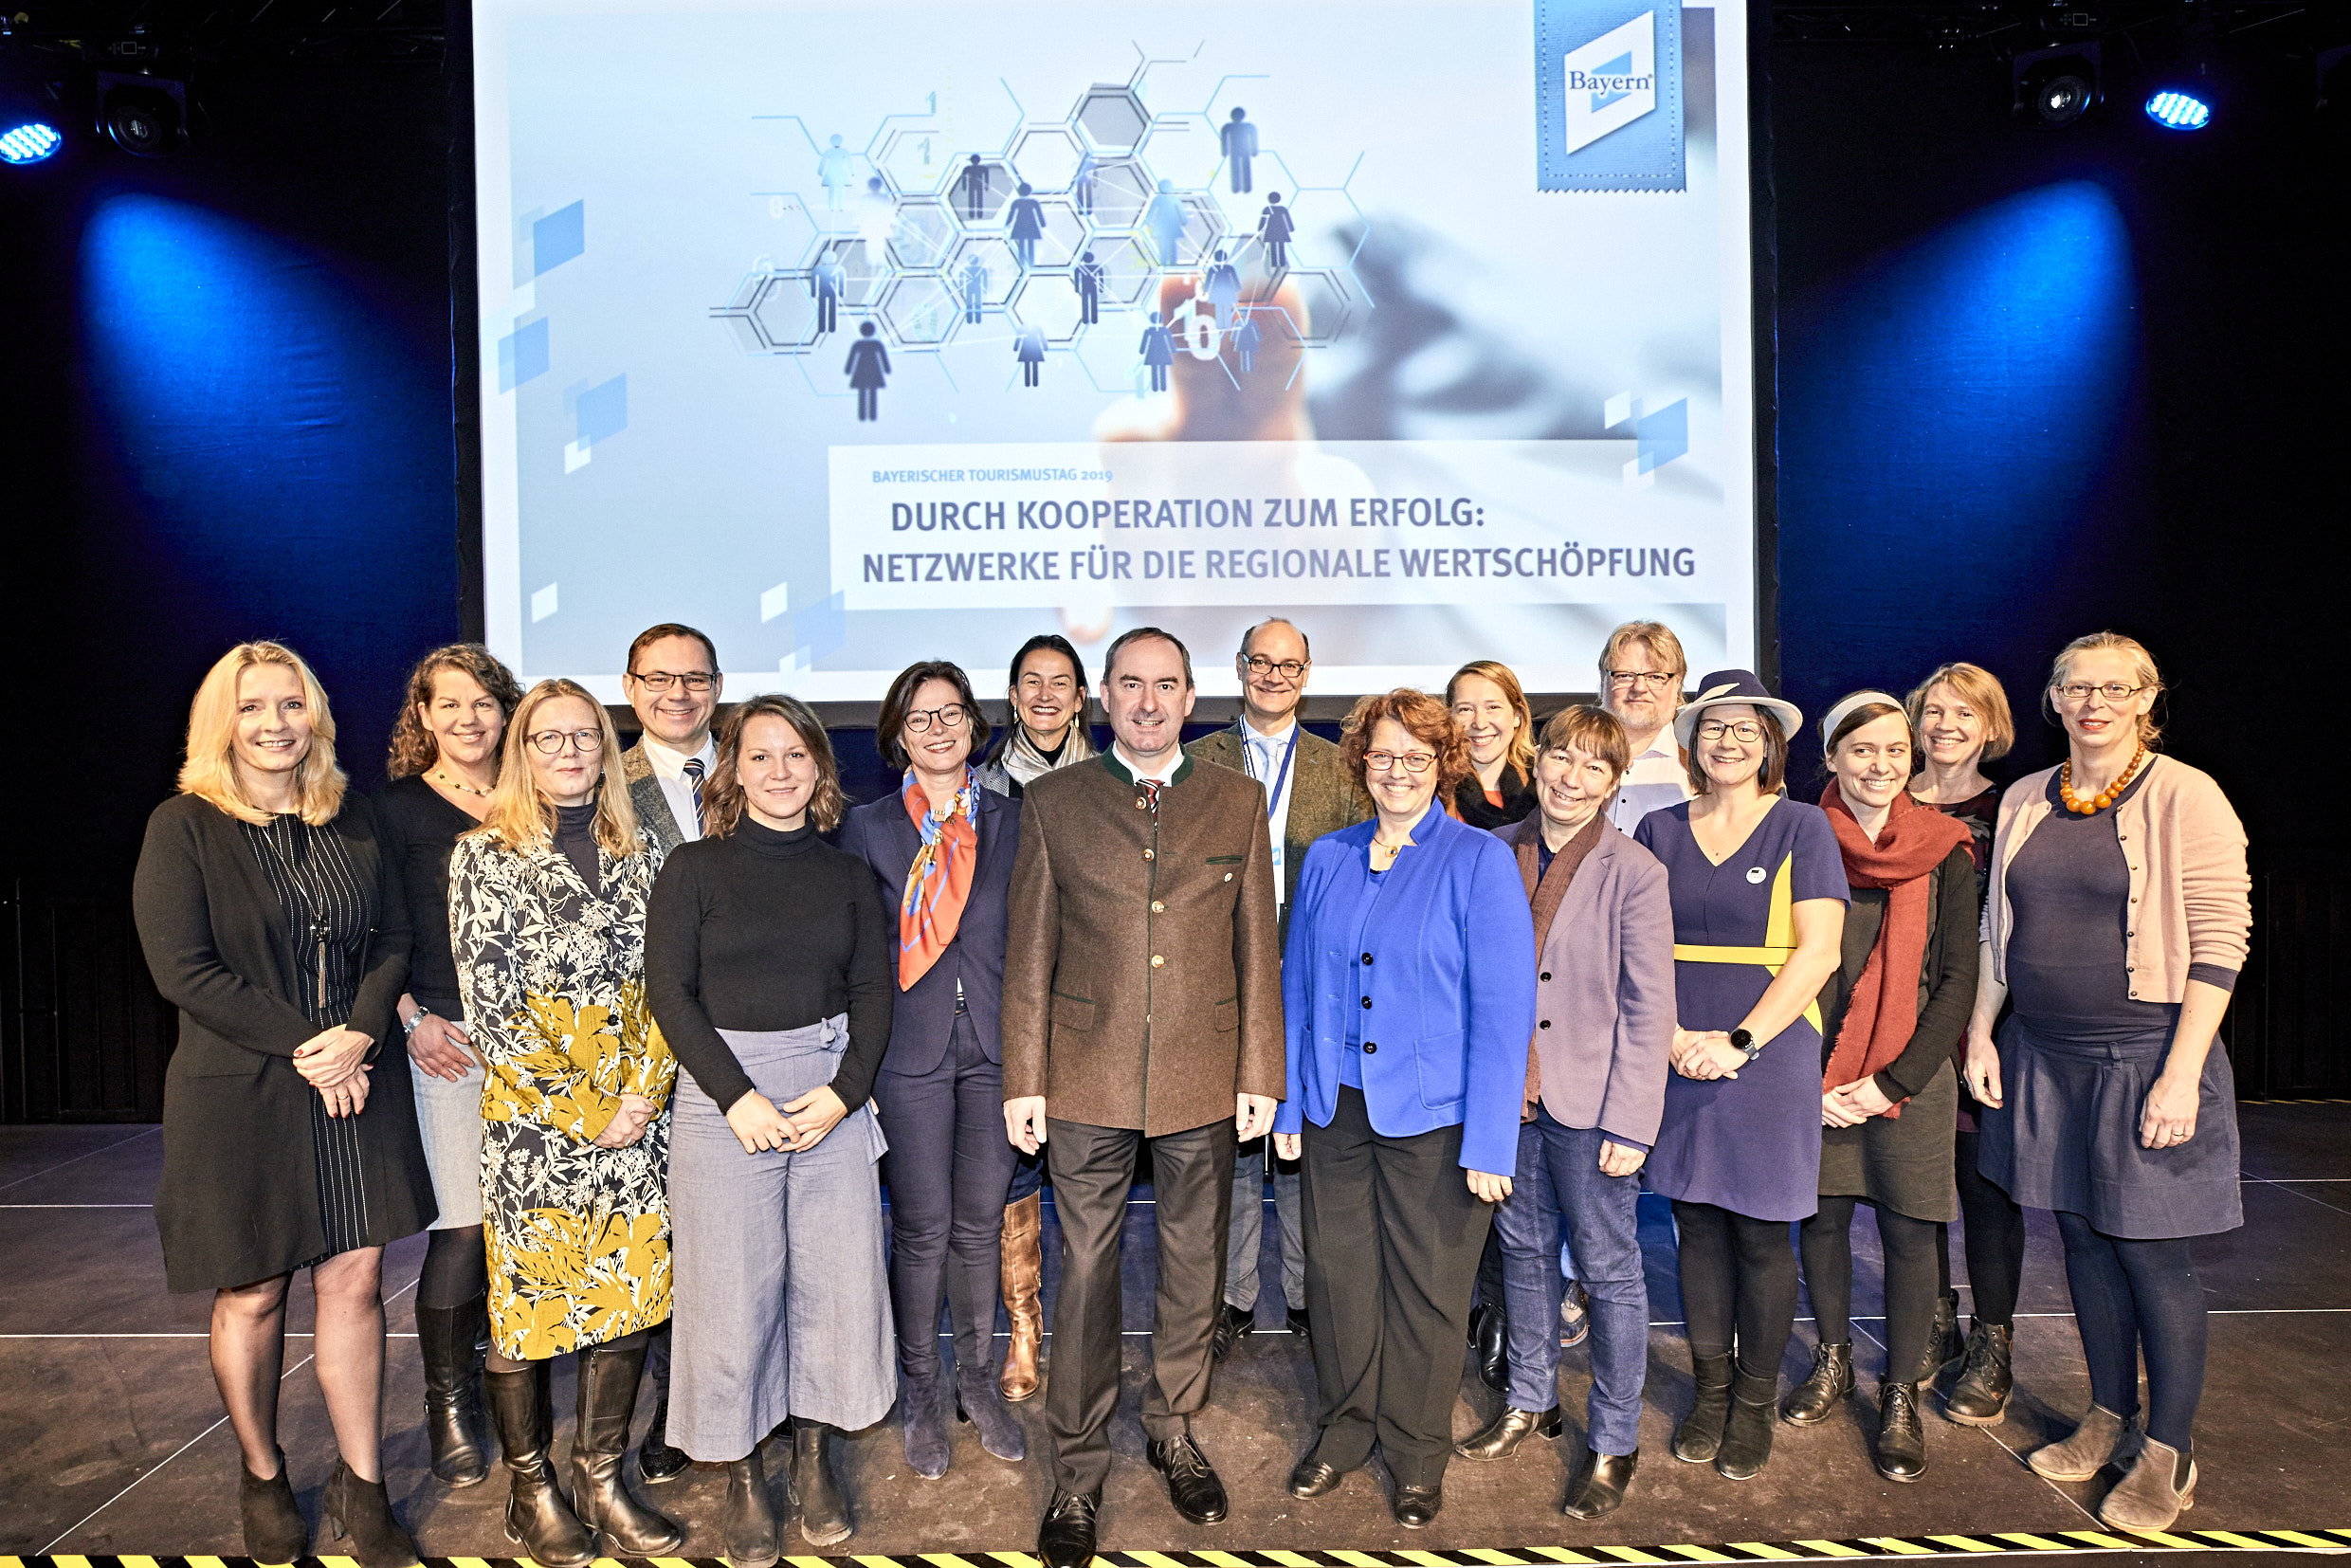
[[2104, 797]]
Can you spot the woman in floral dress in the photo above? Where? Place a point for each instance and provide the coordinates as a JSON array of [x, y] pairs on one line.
[[547, 925]]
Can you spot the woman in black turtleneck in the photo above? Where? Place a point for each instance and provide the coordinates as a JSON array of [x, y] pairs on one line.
[[547, 912], [768, 967]]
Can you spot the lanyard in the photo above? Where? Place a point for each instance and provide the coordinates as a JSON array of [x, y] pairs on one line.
[[1273, 795]]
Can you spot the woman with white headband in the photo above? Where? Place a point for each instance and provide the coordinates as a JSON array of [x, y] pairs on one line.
[[1898, 1003]]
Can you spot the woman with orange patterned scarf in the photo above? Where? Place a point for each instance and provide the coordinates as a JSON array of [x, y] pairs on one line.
[[547, 911], [768, 958], [941, 851]]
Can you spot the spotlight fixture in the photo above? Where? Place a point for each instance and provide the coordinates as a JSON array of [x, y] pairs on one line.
[[2054, 87], [144, 120], [142, 92], [2177, 110], [29, 142]]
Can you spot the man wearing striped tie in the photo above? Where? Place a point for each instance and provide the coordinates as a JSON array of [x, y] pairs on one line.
[[672, 680]]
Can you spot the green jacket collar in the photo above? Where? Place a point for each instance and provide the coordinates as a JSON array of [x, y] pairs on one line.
[[1126, 776]]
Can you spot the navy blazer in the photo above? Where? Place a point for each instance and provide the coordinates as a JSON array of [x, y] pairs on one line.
[[883, 836], [1435, 964]]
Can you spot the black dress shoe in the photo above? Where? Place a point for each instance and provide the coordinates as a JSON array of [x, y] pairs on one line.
[[1414, 1506], [1192, 1483], [1503, 1436], [1232, 1324], [1602, 1485], [1298, 1323], [1310, 1477], [657, 1462], [1066, 1540]]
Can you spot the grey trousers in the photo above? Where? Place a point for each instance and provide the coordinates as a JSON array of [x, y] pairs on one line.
[[782, 1297], [1246, 1239]]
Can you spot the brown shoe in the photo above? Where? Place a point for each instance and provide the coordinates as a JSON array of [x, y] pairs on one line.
[[1023, 1273], [2095, 1444]]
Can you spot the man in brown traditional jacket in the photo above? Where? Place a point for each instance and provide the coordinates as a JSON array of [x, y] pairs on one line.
[[1142, 1003]]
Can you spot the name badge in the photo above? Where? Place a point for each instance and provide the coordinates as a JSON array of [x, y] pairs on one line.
[[1755, 873]]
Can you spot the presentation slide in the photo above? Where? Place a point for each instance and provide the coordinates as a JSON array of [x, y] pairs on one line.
[[856, 334]]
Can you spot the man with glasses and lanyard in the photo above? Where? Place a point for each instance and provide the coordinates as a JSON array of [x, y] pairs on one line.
[[672, 680], [1307, 794], [1642, 669]]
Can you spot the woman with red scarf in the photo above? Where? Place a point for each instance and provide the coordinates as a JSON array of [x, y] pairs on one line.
[[1889, 1101], [941, 849]]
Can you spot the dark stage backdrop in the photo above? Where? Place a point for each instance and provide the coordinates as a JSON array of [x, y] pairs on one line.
[[2028, 385]]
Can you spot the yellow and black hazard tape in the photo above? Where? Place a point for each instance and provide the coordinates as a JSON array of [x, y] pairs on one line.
[[2040, 1543]]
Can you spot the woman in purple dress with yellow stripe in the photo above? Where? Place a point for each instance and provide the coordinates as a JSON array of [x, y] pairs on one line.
[[1759, 894]]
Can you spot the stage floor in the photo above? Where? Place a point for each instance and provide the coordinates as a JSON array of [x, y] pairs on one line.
[[112, 1439]]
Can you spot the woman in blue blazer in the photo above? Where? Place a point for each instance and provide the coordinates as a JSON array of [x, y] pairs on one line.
[[1408, 988], [942, 847]]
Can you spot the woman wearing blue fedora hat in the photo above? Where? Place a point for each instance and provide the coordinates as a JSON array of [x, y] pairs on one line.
[[1759, 894]]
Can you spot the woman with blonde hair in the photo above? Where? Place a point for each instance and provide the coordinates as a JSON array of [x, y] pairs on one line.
[[1959, 716], [2116, 926], [547, 902], [771, 959], [1491, 706], [273, 919], [444, 765]]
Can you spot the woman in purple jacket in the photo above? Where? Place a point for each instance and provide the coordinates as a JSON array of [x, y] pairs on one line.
[[1595, 1086]]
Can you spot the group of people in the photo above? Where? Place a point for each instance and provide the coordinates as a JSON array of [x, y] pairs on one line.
[[1460, 987]]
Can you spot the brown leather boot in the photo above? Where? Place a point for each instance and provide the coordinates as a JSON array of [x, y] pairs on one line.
[[1023, 1273]]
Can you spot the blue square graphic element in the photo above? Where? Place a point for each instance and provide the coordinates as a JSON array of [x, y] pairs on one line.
[[1663, 435], [1608, 95], [559, 237], [603, 410], [522, 355]]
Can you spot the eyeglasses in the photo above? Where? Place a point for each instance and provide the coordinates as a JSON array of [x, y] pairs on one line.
[[2113, 691], [1289, 669], [1415, 763], [1651, 680], [952, 717], [660, 681], [1746, 732], [586, 742]]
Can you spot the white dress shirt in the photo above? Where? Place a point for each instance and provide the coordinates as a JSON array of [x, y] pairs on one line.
[[1655, 778], [669, 772], [1159, 774], [1263, 755]]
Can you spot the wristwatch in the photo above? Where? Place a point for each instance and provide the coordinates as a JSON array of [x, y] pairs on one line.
[[1743, 1040]]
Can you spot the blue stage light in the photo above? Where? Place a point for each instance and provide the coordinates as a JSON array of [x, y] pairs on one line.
[[28, 142], [2177, 111]]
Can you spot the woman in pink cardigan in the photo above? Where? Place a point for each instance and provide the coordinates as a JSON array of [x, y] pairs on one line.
[[2116, 924]]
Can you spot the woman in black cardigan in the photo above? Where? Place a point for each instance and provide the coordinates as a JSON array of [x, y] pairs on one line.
[[272, 918]]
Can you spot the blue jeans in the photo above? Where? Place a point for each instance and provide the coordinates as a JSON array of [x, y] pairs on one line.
[[1559, 1182]]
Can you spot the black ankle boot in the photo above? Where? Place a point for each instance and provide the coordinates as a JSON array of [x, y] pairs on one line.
[[1980, 1396], [656, 1460], [1944, 1345], [600, 1496], [1699, 1436], [1747, 1435], [1503, 1436], [360, 1511], [824, 1512], [1832, 1379], [749, 1527], [980, 1402], [1600, 1491], [274, 1531], [1493, 1342], [537, 1516], [1900, 1449], [926, 1427], [455, 1424]]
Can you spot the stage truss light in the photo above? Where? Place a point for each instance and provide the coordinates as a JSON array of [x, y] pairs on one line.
[[29, 141], [2176, 109], [2054, 87]]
